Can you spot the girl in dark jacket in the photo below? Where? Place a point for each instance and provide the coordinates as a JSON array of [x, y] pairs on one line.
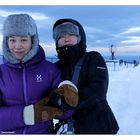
[[93, 114]]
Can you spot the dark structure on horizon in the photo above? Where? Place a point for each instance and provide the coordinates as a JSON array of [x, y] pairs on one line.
[[113, 49]]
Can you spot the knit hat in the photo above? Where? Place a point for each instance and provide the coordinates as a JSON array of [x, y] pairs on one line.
[[20, 25], [65, 28]]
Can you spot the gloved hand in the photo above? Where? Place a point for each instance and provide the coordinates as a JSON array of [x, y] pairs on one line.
[[58, 101], [43, 112], [65, 96]]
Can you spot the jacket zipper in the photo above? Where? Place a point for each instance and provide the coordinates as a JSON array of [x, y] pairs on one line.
[[25, 91], [25, 86]]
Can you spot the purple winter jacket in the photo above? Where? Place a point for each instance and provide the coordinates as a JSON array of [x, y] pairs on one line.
[[22, 85]]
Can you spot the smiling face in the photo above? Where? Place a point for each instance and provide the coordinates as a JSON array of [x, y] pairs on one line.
[[19, 46]]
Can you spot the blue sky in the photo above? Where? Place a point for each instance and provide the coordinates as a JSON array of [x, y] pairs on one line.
[[104, 25]]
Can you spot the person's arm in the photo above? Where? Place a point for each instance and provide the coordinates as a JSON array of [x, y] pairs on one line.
[[41, 112], [65, 97], [60, 104], [95, 88]]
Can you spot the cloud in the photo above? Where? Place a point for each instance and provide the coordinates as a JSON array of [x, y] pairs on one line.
[[4, 13], [131, 30], [119, 49], [131, 40], [38, 16], [35, 15], [93, 30], [1, 38], [49, 49], [99, 49], [131, 48], [1, 25]]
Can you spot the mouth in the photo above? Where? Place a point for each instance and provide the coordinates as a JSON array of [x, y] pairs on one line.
[[19, 55], [18, 52], [68, 44]]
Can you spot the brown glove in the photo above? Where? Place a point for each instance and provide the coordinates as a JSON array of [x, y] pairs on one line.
[[69, 91], [43, 112]]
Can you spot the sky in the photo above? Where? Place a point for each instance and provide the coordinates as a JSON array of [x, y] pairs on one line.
[[105, 25]]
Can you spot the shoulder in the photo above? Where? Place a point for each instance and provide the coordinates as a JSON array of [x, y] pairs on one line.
[[3, 66], [93, 55], [51, 66], [94, 58], [3, 69]]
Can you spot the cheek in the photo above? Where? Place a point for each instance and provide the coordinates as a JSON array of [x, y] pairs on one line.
[[11, 50], [27, 49], [10, 46], [75, 40], [60, 43]]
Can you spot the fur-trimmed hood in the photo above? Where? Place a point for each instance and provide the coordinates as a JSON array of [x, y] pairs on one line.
[[20, 25]]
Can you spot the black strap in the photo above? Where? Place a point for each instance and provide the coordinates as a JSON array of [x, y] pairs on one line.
[[77, 70], [75, 78]]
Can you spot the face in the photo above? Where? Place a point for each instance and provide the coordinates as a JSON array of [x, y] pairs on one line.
[[19, 46], [67, 39]]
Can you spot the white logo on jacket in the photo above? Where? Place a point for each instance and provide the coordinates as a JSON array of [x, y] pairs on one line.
[[39, 78]]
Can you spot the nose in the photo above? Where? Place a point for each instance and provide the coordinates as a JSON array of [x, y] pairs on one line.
[[67, 38], [18, 45]]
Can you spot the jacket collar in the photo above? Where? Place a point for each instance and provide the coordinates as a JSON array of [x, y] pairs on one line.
[[40, 56]]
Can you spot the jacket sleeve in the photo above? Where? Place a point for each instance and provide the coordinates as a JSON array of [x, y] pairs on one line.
[[95, 85], [11, 117]]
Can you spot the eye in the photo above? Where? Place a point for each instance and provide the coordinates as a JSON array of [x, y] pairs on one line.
[[71, 35], [12, 40], [24, 39], [61, 36]]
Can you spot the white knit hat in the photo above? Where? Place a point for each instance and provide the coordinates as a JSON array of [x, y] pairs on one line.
[[20, 25]]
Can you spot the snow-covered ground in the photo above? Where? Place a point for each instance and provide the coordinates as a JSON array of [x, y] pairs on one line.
[[124, 97]]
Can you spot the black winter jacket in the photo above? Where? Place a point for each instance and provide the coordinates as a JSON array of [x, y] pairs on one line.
[[93, 114]]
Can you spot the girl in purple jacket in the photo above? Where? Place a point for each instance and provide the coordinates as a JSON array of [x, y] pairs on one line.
[[25, 78]]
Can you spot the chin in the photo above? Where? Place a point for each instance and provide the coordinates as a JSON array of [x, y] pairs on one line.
[[19, 58]]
